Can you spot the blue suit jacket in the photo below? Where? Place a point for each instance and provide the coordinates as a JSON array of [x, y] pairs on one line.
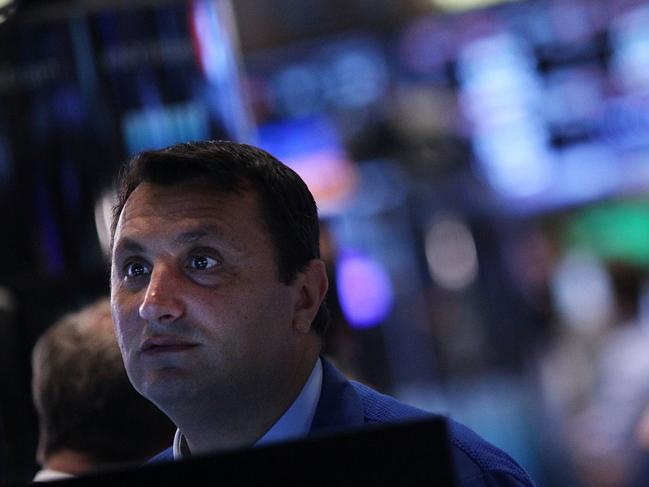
[[347, 404]]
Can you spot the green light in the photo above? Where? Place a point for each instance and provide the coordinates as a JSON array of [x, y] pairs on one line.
[[613, 231]]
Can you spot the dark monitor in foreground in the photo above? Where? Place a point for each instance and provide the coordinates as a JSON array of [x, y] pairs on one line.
[[415, 453]]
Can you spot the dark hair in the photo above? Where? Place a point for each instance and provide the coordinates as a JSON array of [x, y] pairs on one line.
[[287, 206], [84, 399]]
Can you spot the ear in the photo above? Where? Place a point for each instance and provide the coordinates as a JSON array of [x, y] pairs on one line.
[[312, 285]]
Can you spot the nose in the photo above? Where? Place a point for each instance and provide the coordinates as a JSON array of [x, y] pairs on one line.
[[162, 302]]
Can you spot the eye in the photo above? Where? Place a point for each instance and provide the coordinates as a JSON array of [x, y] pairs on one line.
[[202, 262], [135, 269]]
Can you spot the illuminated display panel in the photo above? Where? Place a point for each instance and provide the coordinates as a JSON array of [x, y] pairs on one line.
[[551, 96], [81, 93]]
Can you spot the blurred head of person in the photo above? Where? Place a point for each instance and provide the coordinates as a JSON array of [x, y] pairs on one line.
[[89, 414]]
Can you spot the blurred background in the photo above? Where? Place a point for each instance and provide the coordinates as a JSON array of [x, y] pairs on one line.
[[481, 169]]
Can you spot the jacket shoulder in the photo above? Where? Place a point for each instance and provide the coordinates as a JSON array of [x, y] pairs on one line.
[[164, 456], [476, 461], [379, 408]]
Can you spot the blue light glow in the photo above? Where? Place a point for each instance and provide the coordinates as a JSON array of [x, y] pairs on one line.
[[573, 95], [630, 59], [624, 123], [212, 27], [364, 290], [356, 78], [515, 159], [501, 96], [212, 42], [347, 73], [162, 126], [588, 171], [415, 43], [297, 90]]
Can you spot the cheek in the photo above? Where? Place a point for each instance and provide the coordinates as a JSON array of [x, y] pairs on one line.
[[124, 321], [122, 338]]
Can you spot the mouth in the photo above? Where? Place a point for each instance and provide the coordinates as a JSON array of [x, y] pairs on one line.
[[154, 346]]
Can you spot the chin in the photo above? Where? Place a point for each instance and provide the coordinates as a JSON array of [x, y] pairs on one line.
[[158, 387]]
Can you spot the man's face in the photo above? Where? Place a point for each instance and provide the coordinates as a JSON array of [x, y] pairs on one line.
[[197, 304]]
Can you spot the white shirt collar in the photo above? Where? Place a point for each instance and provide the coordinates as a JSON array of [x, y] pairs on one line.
[[294, 423], [47, 474]]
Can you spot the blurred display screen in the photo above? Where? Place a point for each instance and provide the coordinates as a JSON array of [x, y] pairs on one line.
[[338, 74], [551, 96], [79, 93], [312, 148]]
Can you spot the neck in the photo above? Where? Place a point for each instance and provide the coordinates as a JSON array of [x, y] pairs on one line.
[[217, 425], [69, 461]]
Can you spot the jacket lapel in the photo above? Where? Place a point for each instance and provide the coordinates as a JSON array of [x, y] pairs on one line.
[[340, 407]]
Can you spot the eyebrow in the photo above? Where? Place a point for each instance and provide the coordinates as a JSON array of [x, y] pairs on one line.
[[128, 245]]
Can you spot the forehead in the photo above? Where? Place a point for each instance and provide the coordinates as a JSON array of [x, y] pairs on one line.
[[169, 210]]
